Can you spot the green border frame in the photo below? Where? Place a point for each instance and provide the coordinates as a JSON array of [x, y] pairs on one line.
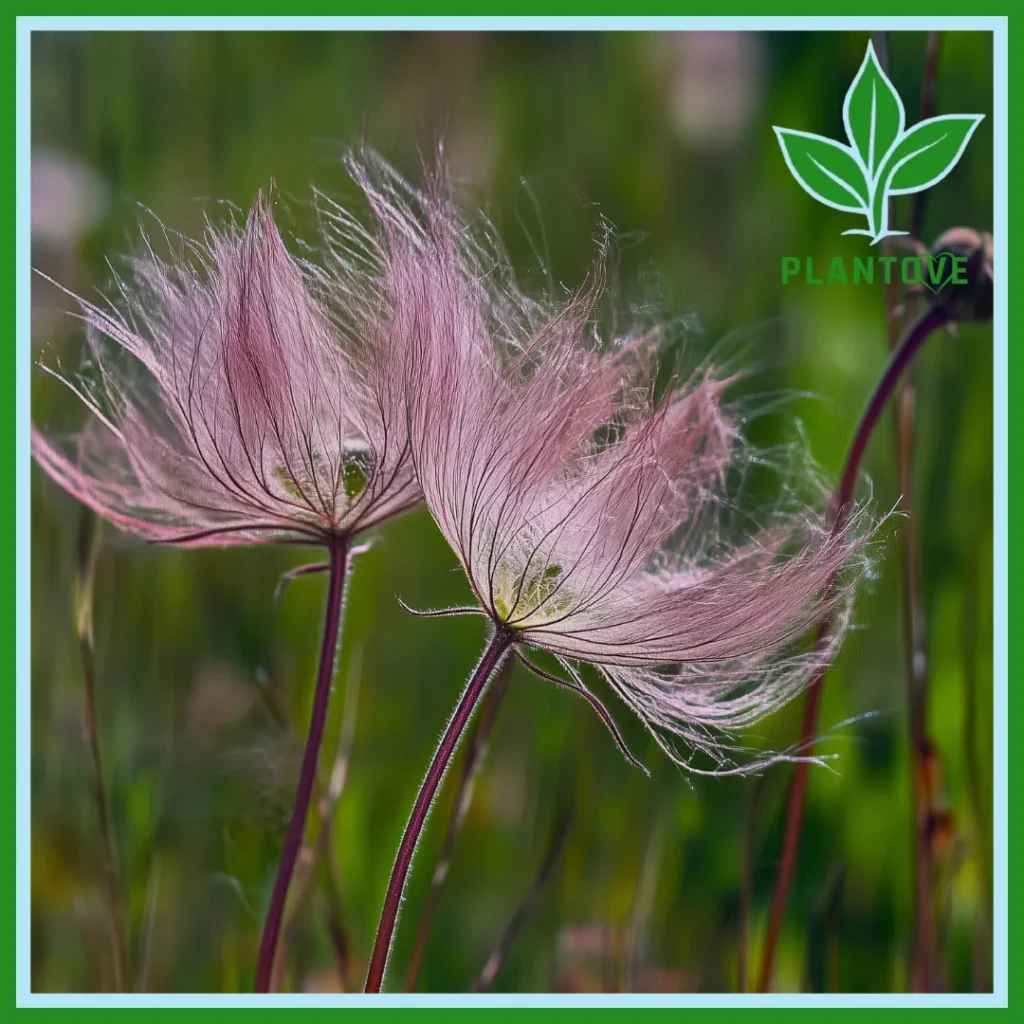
[[601, 8]]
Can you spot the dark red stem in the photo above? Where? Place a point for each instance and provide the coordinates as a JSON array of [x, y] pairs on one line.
[[933, 320], [496, 649], [307, 772]]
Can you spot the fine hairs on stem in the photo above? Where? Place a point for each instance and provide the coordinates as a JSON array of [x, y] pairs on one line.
[[337, 574], [89, 545], [497, 649], [932, 320]]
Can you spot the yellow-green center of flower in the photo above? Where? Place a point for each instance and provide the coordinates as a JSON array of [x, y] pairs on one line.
[[531, 599]]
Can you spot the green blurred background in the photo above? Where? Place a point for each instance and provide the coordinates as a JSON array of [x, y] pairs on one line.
[[669, 137]]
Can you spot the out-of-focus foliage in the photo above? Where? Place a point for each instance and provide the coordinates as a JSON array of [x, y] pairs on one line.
[[668, 137]]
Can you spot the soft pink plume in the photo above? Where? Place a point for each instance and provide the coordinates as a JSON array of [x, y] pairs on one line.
[[223, 406], [588, 516]]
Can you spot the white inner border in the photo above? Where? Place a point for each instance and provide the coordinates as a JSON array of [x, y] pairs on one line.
[[997, 26]]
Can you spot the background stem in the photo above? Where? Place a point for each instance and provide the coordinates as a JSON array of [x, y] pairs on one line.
[[522, 914], [496, 650], [934, 319], [915, 642], [89, 545], [307, 772]]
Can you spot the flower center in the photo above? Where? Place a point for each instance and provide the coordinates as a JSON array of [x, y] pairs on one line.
[[535, 597]]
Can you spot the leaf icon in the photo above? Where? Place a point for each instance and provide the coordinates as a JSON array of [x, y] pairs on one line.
[[928, 152], [826, 169], [873, 114], [884, 158]]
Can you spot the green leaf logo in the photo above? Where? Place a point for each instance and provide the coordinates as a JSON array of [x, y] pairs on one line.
[[882, 158]]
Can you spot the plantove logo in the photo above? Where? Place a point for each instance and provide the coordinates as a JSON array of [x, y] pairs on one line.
[[884, 157]]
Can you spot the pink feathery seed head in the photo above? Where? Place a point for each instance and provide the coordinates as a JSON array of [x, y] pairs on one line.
[[223, 407], [589, 517]]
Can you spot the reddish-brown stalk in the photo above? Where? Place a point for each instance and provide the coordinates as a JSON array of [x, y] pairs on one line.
[[897, 317], [915, 644], [307, 773], [934, 319]]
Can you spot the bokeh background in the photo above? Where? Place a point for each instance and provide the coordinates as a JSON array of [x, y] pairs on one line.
[[204, 683]]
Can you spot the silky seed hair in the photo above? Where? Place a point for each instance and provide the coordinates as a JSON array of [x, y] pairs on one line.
[[222, 405], [588, 510]]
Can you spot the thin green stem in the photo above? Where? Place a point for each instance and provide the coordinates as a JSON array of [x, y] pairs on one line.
[[88, 553]]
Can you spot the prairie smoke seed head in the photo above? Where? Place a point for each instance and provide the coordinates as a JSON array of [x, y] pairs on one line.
[[223, 406], [588, 516]]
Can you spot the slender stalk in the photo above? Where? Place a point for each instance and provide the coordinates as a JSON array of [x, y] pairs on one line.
[[315, 851], [307, 771], [500, 952], [476, 751], [492, 657], [933, 320], [88, 552], [912, 594]]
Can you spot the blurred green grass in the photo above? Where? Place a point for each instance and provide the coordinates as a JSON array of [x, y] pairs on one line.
[[668, 136]]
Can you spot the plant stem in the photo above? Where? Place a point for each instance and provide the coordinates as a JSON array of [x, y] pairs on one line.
[[88, 552], [912, 600], [932, 320], [500, 952], [307, 772], [492, 657], [476, 751], [914, 620], [315, 851]]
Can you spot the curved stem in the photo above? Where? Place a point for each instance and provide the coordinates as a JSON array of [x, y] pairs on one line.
[[492, 656], [934, 319], [307, 772]]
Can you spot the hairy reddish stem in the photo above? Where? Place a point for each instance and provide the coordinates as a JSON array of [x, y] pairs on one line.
[[307, 772], [934, 319], [496, 650]]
